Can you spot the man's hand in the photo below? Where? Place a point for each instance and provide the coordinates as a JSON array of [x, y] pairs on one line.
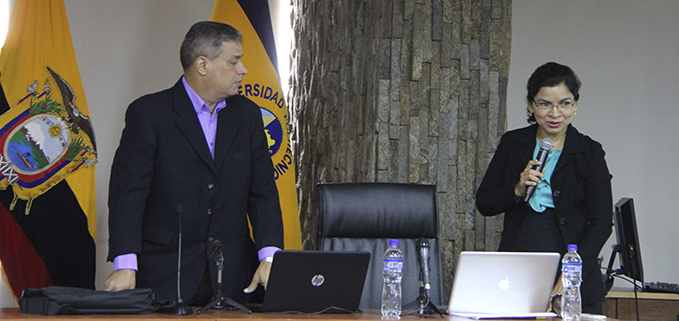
[[121, 280], [261, 277]]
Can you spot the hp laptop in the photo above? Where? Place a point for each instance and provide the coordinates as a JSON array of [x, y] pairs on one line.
[[315, 281], [503, 284]]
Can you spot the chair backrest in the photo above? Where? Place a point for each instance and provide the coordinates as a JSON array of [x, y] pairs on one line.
[[364, 216]]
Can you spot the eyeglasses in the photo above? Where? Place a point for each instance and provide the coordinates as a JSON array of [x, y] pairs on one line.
[[566, 104]]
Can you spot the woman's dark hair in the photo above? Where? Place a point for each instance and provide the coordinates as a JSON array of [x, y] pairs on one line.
[[551, 74]]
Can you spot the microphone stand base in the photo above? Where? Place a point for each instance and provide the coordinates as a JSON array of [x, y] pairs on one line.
[[424, 306], [176, 309], [431, 308], [221, 302]]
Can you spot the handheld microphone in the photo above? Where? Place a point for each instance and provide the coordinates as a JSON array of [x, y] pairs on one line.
[[179, 307], [423, 250], [546, 146]]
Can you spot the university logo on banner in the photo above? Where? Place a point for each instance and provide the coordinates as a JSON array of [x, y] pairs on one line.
[[262, 86], [273, 129], [277, 138], [45, 138]]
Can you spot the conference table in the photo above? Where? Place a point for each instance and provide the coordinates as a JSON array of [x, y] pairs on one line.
[[221, 315]]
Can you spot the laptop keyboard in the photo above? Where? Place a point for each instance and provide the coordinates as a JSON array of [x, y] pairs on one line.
[[662, 287]]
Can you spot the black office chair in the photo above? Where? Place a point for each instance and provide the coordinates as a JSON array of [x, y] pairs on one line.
[[364, 216]]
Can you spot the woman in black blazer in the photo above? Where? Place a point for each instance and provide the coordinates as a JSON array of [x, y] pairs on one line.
[[572, 202]]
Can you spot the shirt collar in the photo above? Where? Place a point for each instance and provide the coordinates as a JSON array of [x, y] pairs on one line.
[[198, 104]]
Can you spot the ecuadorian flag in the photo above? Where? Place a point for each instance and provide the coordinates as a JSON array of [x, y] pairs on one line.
[[47, 155], [262, 85]]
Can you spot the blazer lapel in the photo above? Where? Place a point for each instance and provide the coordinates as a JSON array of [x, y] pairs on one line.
[[227, 128], [188, 123], [525, 144], [572, 145]]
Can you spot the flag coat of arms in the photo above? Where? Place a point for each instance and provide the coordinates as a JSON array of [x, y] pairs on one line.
[[262, 85], [47, 154]]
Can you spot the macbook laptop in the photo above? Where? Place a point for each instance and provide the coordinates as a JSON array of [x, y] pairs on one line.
[[503, 284], [315, 281]]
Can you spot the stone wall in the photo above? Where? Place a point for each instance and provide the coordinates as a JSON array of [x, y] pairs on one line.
[[401, 91]]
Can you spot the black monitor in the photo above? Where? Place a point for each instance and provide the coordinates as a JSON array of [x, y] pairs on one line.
[[628, 240]]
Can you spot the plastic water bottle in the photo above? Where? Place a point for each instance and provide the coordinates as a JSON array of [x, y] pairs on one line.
[[393, 271], [571, 268]]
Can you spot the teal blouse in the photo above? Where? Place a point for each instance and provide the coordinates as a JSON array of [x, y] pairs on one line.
[[542, 197]]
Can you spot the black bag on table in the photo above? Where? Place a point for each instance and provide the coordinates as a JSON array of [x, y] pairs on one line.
[[55, 300]]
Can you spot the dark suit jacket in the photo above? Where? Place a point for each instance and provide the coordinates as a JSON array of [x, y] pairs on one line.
[[581, 186], [162, 164]]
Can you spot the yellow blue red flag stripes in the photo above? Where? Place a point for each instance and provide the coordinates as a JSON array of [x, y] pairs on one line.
[[262, 85], [47, 152]]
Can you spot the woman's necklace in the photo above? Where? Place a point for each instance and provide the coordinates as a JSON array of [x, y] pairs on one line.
[[556, 143], [559, 143]]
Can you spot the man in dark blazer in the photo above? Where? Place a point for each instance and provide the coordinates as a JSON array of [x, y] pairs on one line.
[[196, 152]]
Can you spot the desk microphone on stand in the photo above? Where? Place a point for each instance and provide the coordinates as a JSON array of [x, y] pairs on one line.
[[179, 307], [425, 286], [214, 252]]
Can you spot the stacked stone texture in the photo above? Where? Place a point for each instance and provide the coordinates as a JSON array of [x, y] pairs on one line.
[[409, 91]]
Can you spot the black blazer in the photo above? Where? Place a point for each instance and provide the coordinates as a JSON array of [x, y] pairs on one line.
[[162, 164], [581, 186]]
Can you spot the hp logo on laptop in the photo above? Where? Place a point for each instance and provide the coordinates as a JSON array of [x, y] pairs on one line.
[[317, 280]]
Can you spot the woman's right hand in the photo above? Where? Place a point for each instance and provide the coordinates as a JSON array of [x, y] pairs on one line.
[[529, 177]]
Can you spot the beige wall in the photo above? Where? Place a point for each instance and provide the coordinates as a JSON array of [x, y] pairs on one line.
[[626, 52]]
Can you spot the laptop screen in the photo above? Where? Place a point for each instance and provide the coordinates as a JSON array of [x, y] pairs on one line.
[[507, 283], [316, 281]]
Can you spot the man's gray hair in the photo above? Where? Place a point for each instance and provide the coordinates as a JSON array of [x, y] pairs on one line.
[[205, 38]]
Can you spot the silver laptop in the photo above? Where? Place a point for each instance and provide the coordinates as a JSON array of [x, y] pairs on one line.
[[503, 284], [315, 281]]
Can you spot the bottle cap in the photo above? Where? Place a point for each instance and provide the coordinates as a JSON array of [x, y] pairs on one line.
[[572, 247], [393, 242]]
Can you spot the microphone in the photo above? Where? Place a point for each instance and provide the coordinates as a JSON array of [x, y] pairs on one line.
[[423, 250], [546, 146], [219, 301], [424, 300], [179, 307]]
